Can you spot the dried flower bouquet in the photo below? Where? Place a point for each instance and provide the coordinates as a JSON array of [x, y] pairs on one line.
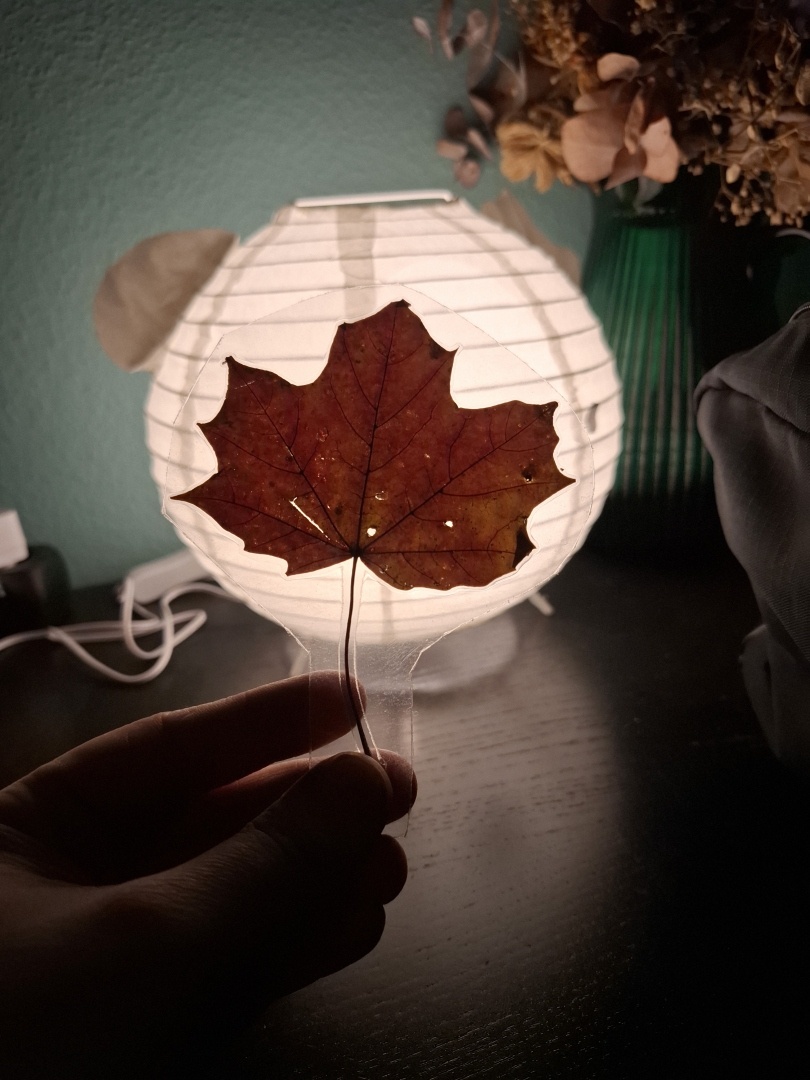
[[606, 91]]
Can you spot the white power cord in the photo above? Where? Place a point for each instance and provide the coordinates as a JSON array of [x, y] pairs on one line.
[[139, 585]]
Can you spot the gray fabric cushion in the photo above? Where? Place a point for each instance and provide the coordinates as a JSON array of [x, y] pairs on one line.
[[753, 412]]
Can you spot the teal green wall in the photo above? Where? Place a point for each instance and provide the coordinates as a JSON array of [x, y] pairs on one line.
[[124, 118]]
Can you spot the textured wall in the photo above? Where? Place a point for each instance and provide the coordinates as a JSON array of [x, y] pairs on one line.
[[122, 119]]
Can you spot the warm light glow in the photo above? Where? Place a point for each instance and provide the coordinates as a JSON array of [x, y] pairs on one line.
[[474, 282]]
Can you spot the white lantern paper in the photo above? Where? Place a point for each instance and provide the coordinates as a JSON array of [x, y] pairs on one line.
[[475, 285]]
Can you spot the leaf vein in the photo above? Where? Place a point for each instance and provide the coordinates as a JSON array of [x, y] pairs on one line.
[[442, 490], [289, 447]]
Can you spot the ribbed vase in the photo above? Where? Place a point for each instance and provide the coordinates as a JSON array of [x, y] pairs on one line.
[[643, 279]]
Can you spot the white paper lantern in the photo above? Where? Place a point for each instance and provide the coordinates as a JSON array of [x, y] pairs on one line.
[[475, 285]]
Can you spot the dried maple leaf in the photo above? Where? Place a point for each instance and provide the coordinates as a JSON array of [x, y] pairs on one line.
[[374, 461]]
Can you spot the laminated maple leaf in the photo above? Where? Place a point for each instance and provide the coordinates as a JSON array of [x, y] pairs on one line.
[[374, 461]]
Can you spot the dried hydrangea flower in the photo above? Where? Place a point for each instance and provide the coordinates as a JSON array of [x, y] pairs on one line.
[[617, 135], [527, 150]]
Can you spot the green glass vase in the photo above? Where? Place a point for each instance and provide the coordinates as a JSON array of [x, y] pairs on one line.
[[669, 286]]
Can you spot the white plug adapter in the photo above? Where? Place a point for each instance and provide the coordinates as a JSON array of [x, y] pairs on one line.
[[13, 548], [151, 580]]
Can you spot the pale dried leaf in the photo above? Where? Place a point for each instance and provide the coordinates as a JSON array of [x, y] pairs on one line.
[[522, 81], [478, 63], [444, 24], [634, 123], [657, 136], [617, 66], [626, 166], [476, 139], [484, 110], [467, 172], [422, 27], [448, 148], [144, 293], [663, 166], [605, 98], [475, 28], [590, 142], [587, 103]]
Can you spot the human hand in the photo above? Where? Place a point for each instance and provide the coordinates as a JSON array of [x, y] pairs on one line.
[[163, 881]]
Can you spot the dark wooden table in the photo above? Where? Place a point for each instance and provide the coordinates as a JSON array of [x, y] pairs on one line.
[[609, 873]]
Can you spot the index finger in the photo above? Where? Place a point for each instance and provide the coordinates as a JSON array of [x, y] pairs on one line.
[[146, 769]]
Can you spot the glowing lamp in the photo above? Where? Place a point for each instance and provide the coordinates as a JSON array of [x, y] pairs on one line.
[[457, 263], [523, 330]]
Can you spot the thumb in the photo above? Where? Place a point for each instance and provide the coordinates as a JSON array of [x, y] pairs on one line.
[[329, 821], [284, 901]]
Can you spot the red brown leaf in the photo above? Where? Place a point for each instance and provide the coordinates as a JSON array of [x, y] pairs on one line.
[[375, 461]]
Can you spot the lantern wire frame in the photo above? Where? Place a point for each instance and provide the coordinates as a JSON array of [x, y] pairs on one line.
[[391, 628]]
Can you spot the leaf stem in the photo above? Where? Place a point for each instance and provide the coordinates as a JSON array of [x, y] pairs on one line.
[[350, 687]]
